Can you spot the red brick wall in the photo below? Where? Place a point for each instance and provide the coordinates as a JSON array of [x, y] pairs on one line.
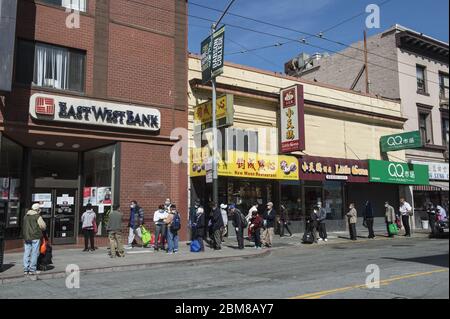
[[148, 176]]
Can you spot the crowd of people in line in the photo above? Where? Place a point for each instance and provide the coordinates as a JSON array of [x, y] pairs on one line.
[[259, 223]]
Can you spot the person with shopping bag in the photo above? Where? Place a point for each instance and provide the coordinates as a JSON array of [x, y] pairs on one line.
[[390, 220]]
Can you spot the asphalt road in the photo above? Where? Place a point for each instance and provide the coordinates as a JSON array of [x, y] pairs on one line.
[[409, 268]]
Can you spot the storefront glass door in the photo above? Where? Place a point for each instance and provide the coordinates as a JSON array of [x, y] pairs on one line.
[[58, 209]]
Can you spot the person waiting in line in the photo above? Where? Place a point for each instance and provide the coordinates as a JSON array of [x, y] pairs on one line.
[[199, 227], [223, 210], [368, 218], [284, 221], [314, 223], [173, 223], [389, 217], [269, 224], [256, 223], [216, 226], [114, 229], [88, 220], [160, 227], [352, 217], [252, 209], [406, 211], [321, 222], [192, 218], [239, 223], [33, 226], [135, 222]]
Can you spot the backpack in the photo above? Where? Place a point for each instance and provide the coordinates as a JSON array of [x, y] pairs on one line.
[[308, 237], [176, 223]]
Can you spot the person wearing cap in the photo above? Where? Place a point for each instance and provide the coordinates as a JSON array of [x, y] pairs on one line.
[[223, 210], [33, 226], [238, 224], [269, 224]]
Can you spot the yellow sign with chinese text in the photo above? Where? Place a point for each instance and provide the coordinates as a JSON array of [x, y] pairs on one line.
[[224, 113]]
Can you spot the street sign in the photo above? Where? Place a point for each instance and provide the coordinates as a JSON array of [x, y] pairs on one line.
[[213, 60], [398, 173], [401, 141]]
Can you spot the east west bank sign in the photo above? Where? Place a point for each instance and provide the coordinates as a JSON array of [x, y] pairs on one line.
[[91, 112]]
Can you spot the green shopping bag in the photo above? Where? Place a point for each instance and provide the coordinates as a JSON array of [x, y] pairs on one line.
[[146, 236], [393, 229]]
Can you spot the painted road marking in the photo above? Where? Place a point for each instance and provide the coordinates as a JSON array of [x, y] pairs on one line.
[[320, 294]]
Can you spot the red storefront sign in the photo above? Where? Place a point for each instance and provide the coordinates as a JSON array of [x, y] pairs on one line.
[[292, 105], [314, 168]]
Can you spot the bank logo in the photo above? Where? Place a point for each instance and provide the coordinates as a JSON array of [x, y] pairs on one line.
[[395, 140], [396, 170], [45, 106]]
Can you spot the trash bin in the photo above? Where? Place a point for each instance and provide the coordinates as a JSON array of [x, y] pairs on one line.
[[425, 224]]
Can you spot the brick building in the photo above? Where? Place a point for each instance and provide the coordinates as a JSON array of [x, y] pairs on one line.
[[89, 111]]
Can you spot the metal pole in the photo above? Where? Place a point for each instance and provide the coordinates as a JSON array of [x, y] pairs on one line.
[[366, 63]]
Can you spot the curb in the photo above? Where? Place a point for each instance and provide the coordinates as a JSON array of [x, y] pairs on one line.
[[62, 274]]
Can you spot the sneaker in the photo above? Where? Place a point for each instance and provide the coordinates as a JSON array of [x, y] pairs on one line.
[[34, 273], [320, 239], [175, 251], [128, 247], [326, 239], [84, 250], [26, 273], [169, 252]]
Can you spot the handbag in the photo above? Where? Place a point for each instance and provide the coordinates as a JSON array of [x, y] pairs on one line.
[[94, 225], [393, 230]]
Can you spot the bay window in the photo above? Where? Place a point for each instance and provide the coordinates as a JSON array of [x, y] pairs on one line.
[[77, 5]]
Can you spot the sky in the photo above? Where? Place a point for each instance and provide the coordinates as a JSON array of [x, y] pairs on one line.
[[311, 17]]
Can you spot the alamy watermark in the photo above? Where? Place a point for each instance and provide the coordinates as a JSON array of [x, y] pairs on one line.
[[373, 279], [72, 276], [373, 19]]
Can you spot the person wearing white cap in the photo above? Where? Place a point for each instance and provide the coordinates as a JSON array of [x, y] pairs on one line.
[[223, 210], [33, 226]]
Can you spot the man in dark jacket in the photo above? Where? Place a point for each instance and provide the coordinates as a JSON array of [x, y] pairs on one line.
[[199, 227], [238, 224], [192, 217], [216, 225], [135, 222], [321, 222], [269, 224], [368, 218], [114, 229], [32, 228]]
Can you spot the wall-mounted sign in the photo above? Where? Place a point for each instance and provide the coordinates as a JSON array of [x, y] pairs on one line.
[[213, 60], [323, 168], [224, 113], [91, 112], [292, 115], [401, 141], [398, 173], [247, 165], [436, 171]]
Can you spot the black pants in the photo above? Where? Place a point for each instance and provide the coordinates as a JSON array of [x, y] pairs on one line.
[[432, 219], [283, 226], [369, 223], [352, 228], [240, 238], [322, 231], [405, 221], [200, 239], [89, 237], [257, 237]]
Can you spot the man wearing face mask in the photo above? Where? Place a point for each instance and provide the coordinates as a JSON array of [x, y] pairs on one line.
[[193, 218], [321, 220], [389, 216], [135, 223]]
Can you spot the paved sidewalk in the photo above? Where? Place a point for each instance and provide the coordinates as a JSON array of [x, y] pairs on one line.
[[142, 258]]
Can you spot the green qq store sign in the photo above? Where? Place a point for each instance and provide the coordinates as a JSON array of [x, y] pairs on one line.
[[398, 173]]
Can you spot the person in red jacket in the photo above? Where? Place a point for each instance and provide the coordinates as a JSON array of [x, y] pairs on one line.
[[256, 223]]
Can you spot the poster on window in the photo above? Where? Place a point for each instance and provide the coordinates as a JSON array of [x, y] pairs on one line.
[[4, 188], [90, 196], [104, 195], [14, 189]]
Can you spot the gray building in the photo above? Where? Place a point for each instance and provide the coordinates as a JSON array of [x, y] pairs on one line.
[[406, 65]]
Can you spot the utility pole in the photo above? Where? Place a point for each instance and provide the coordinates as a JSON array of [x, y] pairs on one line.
[[214, 108], [366, 63]]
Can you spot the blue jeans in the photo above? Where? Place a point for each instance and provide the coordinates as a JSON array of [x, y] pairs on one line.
[[172, 241], [30, 255]]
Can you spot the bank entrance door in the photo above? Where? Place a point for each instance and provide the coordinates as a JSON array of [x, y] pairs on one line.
[[58, 209], [56, 180]]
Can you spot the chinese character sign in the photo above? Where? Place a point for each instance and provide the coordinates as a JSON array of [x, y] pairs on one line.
[[292, 119]]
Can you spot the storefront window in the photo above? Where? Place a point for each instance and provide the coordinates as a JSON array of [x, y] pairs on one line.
[[98, 183], [11, 201], [332, 194], [291, 198]]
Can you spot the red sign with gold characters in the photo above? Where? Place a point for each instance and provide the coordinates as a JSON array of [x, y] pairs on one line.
[[333, 169], [292, 105]]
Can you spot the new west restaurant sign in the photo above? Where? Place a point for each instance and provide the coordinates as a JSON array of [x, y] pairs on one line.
[[401, 141], [398, 173], [91, 112], [292, 117]]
